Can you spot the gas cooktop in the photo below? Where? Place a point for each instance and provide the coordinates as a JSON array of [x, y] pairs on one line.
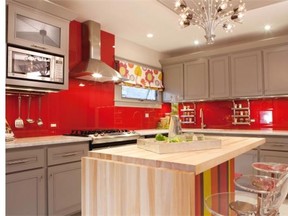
[[106, 135]]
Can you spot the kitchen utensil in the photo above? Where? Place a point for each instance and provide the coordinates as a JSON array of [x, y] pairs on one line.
[[174, 126], [39, 121], [19, 122], [29, 120]]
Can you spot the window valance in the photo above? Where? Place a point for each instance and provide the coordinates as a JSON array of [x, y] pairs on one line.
[[140, 76]]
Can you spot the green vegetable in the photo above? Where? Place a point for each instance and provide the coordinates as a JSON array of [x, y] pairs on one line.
[[174, 139], [160, 137]]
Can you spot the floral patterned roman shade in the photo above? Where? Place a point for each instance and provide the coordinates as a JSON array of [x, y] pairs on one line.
[[140, 76]]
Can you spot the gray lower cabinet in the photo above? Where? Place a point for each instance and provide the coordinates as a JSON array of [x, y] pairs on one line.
[[243, 163], [274, 156], [25, 193], [246, 74], [64, 189], [44, 180], [275, 150], [276, 70]]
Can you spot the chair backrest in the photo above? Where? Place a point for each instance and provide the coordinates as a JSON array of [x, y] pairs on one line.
[[273, 200]]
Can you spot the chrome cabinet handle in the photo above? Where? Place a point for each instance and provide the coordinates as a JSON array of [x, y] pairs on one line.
[[21, 161], [278, 145], [36, 46], [70, 154]]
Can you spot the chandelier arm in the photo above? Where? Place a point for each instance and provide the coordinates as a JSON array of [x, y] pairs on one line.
[[209, 14], [197, 14]]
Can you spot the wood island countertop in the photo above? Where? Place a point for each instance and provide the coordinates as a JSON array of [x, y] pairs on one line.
[[191, 161]]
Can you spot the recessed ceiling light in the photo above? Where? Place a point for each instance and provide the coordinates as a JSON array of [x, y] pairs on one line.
[[196, 42], [150, 35], [267, 27]]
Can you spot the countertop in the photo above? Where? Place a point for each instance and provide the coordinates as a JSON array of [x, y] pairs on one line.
[[264, 132], [44, 140], [195, 161]]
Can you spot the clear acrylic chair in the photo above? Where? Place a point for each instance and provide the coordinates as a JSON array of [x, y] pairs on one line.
[[271, 191], [271, 168], [266, 195]]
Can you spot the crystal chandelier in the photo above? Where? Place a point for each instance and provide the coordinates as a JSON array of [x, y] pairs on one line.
[[208, 14]]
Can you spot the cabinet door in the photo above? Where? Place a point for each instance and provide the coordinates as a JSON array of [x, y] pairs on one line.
[[64, 189], [173, 82], [38, 30], [219, 86], [276, 70], [25, 193], [246, 74], [243, 163], [196, 80], [274, 156]]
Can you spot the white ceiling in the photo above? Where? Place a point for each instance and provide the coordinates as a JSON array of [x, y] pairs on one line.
[[133, 19]]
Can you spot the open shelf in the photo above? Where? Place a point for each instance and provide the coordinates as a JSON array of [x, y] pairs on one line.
[[241, 114]]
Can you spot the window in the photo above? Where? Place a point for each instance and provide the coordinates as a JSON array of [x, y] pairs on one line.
[[138, 93], [137, 97], [144, 84]]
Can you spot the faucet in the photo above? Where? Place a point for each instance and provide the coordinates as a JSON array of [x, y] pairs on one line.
[[202, 119]]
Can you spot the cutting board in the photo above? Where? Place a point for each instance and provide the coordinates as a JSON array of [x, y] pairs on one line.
[[162, 147]]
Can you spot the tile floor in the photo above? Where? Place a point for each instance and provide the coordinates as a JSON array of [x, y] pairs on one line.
[[284, 208]]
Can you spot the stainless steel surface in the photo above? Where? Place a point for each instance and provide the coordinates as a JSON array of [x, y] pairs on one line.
[[29, 120], [39, 121], [107, 137], [101, 139], [174, 126], [91, 61], [202, 119], [19, 122]]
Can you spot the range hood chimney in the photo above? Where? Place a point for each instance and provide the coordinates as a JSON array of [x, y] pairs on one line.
[[91, 67]]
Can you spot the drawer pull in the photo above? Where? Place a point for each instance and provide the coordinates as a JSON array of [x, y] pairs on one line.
[[39, 47], [70, 154], [278, 145], [21, 161]]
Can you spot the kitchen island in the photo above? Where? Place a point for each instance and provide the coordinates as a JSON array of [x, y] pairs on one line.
[[128, 180]]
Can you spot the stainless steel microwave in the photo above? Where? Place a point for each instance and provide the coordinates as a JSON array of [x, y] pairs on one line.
[[34, 69]]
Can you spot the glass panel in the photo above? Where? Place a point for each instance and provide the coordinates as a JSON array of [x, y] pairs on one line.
[[36, 31], [139, 93]]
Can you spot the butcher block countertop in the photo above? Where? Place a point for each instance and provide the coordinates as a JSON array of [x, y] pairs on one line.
[[191, 161]]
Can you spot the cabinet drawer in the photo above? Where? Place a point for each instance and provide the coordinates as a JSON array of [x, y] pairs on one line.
[[283, 140], [24, 159], [275, 146], [67, 153]]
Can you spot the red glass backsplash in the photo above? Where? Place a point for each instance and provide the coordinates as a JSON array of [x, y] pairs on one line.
[[92, 106], [88, 107], [218, 114]]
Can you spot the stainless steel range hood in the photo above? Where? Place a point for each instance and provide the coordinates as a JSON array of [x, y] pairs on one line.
[[92, 68]]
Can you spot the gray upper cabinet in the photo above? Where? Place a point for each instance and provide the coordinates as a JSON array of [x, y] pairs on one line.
[[219, 84], [196, 80], [37, 30], [246, 74], [173, 82], [276, 70]]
